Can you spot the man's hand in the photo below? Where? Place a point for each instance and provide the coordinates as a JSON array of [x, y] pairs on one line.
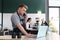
[[31, 36]]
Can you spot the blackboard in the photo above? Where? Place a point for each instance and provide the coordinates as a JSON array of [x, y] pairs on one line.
[[10, 6]]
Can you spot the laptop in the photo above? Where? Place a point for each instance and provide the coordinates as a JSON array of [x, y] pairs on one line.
[[42, 32]]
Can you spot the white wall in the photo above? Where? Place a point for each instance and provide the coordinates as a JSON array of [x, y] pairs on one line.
[[7, 19]]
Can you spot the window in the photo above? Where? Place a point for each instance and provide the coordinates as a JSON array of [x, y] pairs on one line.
[[54, 2], [54, 18], [54, 6]]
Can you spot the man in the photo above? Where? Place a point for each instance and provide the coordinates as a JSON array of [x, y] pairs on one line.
[[18, 22]]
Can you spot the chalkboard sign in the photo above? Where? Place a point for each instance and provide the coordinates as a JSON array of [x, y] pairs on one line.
[[10, 6]]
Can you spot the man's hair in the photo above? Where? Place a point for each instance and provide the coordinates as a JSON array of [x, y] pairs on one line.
[[23, 5]]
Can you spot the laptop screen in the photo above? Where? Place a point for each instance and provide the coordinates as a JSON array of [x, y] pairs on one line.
[[42, 31]]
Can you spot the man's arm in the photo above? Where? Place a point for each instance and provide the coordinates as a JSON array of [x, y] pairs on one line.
[[24, 32], [21, 29]]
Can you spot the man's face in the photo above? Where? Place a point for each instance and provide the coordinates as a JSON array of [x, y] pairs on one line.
[[22, 10]]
